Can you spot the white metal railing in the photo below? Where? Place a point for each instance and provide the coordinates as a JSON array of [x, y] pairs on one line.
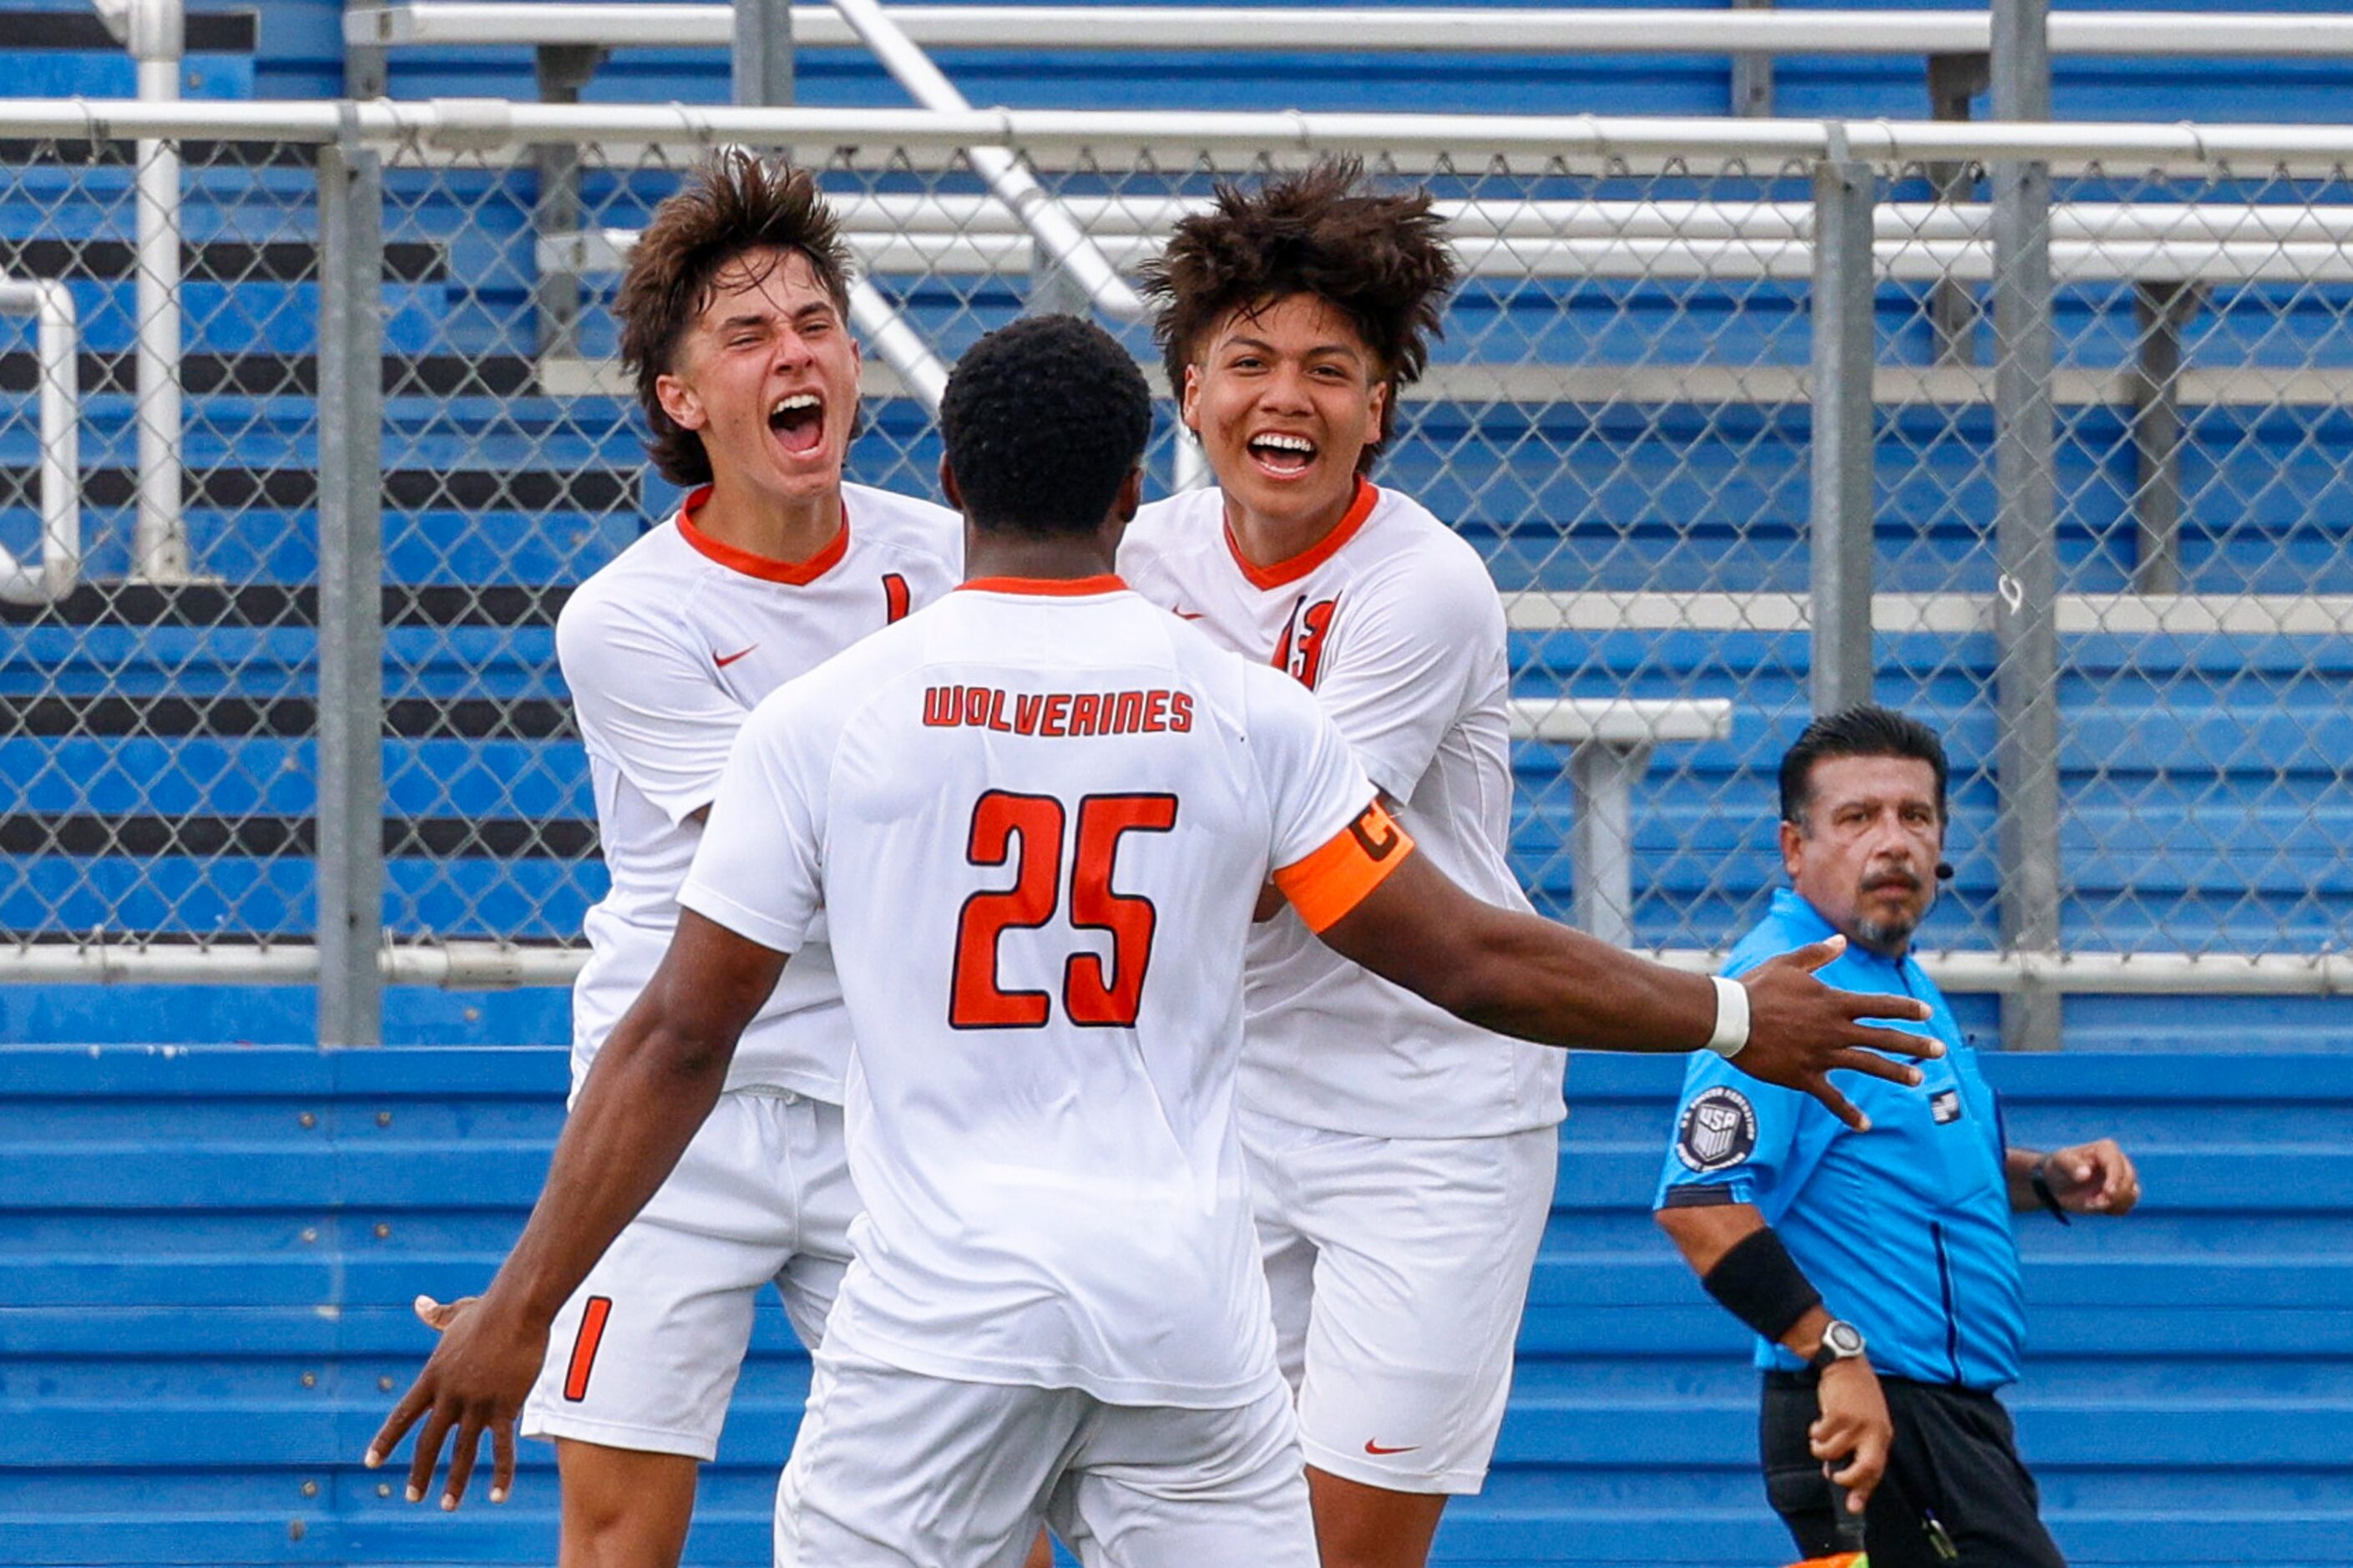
[[1635, 30], [470, 128], [1914, 241], [482, 965], [57, 358], [156, 32]]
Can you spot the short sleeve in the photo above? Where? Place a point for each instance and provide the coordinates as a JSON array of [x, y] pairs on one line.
[[1740, 1139], [647, 704], [1313, 786], [759, 870], [1408, 649]]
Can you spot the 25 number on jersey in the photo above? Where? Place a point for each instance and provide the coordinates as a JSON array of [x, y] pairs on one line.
[[1026, 830]]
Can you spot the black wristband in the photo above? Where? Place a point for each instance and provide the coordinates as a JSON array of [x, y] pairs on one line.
[[2038, 1179], [1760, 1284]]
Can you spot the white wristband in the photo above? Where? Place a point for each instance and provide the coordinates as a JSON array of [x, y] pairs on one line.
[[1731, 1017]]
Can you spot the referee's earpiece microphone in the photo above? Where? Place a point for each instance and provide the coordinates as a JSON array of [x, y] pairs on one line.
[[1944, 870]]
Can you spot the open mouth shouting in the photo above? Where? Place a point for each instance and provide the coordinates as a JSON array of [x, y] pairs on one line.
[[1282, 454], [797, 421]]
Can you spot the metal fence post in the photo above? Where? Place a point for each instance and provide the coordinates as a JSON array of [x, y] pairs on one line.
[[2160, 310], [1841, 547], [2026, 636], [351, 599], [1751, 74], [762, 60]]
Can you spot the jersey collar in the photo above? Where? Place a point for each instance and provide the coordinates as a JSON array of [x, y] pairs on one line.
[[1315, 554], [792, 573], [1048, 587]]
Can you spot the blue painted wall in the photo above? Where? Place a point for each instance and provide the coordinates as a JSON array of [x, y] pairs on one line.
[[206, 1256]]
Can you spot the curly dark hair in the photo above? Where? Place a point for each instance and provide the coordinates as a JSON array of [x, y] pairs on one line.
[[1865, 729], [1379, 260], [731, 202], [1043, 421]]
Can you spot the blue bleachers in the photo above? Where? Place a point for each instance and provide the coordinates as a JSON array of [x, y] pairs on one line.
[[208, 1254]]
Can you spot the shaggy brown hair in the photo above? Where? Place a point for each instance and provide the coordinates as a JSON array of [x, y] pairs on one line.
[[1379, 260], [731, 203]]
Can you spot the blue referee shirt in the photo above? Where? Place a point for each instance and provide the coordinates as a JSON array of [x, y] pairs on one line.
[[1905, 1230]]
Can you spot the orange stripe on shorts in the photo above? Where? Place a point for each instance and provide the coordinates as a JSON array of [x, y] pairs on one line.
[[1335, 879], [584, 1349]]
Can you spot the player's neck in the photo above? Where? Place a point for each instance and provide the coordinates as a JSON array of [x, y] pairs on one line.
[[1057, 559], [791, 529], [1270, 541]]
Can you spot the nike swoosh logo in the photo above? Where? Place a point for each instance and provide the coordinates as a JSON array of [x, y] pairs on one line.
[[1373, 1447], [1189, 615], [724, 663]]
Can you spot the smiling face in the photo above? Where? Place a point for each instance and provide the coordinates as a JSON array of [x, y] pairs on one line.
[[1285, 397], [767, 376], [1865, 855]]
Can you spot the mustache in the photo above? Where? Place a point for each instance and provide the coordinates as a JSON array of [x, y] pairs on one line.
[[1907, 880]]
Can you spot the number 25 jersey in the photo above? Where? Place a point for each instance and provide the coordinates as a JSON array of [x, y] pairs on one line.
[[1036, 818]]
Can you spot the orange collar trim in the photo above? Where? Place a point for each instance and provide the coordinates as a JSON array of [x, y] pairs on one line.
[[792, 573], [1048, 587], [1314, 556]]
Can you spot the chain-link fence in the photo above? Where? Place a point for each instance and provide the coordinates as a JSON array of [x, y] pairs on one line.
[[2097, 536]]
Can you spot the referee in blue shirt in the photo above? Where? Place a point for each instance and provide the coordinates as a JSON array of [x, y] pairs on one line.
[[1878, 1269]]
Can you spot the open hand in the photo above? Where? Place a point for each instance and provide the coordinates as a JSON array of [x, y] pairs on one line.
[[1799, 1030], [475, 1381], [2093, 1178]]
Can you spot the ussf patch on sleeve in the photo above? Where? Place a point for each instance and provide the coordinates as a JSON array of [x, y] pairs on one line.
[[1718, 1131]]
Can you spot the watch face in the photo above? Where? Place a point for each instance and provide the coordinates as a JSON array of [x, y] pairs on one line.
[[1843, 1339]]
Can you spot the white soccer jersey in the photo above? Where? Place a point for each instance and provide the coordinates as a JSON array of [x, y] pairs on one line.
[[1034, 819], [666, 649], [1393, 623]]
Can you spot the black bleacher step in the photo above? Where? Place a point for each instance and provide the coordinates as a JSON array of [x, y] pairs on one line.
[[207, 32], [50, 716], [198, 156], [594, 490], [209, 261], [431, 837], [286, 375], [513, 605]]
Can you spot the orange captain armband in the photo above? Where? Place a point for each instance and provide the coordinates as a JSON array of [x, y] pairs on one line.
[[1335, 879]]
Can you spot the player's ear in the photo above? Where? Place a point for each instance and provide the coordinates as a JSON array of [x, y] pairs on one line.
[[1131, 495], [1793, 849], [1382, 393], [1188, 400], [681, 402], [948, 485]]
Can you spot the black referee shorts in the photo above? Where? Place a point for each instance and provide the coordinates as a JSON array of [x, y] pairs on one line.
[[1955, 1492]]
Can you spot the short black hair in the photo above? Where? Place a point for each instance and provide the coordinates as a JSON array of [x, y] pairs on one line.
[[1865, 729], [1043, 421]]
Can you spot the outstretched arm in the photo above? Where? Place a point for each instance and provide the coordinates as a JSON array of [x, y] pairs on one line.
[[652, 1084], [1521, 975]]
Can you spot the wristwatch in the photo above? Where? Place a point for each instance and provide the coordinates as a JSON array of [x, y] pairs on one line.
[[1842, 1340]]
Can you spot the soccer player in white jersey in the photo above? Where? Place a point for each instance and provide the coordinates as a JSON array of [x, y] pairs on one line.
[[1401, 1159], [1036, 818], [735, 317]]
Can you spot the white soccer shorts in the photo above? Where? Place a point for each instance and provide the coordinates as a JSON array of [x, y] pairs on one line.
[[645, 1354], [897, 1470], [1399, 1268]]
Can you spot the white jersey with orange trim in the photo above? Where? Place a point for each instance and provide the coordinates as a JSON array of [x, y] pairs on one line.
[[1035, 818], [666, 649], [1394, 624]]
